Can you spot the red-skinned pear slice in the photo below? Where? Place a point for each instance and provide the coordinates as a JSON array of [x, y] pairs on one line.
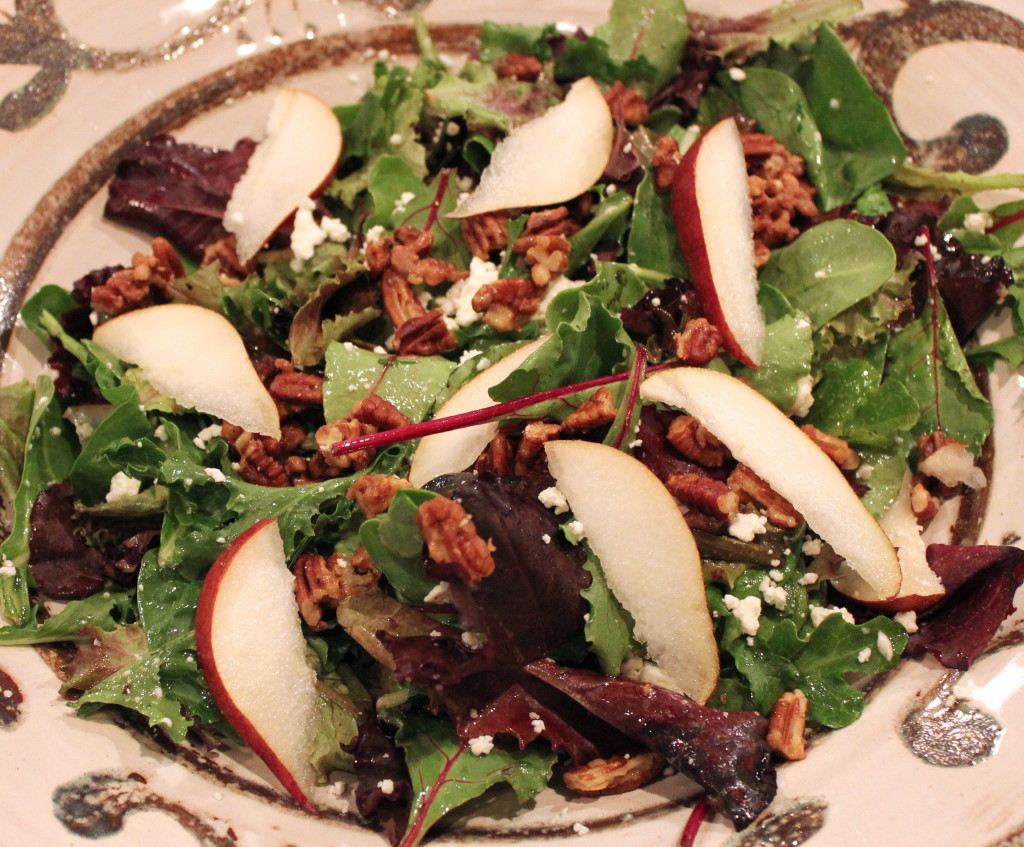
[[551, 159], [920, 587], [195, 356], [295, 160], [253, 655], [648, 556], [771, 445], [450, 452], [711, 209]]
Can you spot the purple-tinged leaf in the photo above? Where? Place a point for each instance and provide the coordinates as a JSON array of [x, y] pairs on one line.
[[379, 764]]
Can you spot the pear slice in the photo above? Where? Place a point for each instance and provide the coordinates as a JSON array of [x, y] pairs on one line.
[[253, 655], [451, 452], [648, 555], [295, 160], [551, 159], [195, 356], [770, 444]]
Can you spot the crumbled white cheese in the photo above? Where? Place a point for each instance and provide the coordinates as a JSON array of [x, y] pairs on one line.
[[160, 433], [811, 547], [865, 471], [833, 103], [7, 567], [580, 829], [546, 538], [804, 397], [748, 524], [819, 274], [737, 74], [536, 723], [575, 531], [386, 786], [864, 655], [747, 611], [374, 233], [977, 221], [655, 302], [395, 139], [808, 579], [774, 594], [335, 229], [552, 498], [306, 235], [885, 646], [819, 613], [122, 485], [908, 620], [775, 573], [438, 594], [467, 355], [456, 304], [402, 203], [216, 474], [483, 363], [481, 745], [474, 640], [204, 435], [921, 240]]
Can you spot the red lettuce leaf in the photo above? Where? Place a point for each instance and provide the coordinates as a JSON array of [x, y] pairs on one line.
[[725, 752], [981, 582], [177, 190], [377, 758]]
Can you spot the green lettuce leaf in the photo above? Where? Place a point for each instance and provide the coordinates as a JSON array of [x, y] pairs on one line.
[[657, 30], [395, 545], [609, 629]]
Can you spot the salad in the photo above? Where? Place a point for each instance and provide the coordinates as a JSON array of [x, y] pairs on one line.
[[556, 419]]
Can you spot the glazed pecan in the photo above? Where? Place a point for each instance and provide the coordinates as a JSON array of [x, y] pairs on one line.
[[597, 410], [257, 462], [143, 284], [225, 252], [778, 194], [485, 233], [518, 66], [753, 489], [375, 410], [628, 105], [452, 540], [321, 584], [531, 446], [409, 260], [345, 429], [314, 469], [786, 725], [496, 457], [554, 221], [698, 343], [923, 503], [834, 447], [373, 492], [400, 301], [294, 391], [614, 775], [548, 256], [710, 496], [507, 303], [697, 443], [665, 161], [425, 335]]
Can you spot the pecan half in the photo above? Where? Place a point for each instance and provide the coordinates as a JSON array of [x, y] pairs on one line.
[[374, 492], [345, 429], [544, 244], [519, 66], [496, 457], [485, 232], [425, 335], [321, 584], [665, 161], [786, 725], [531, 446], [689, 436], [257, 462], [834, 447], [614, 775], [698, 343], [753, 489], [453, 542], [507, 303], [143, 284], [597, 410], [378, 412], [294, 391], [710, 496], [627, 105]]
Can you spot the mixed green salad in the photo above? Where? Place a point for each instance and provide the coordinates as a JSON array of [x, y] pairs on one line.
[[491, 649]]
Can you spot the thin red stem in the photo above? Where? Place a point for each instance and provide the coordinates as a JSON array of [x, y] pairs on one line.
[[442, 187], [638, 372], [477, 416], [698, 814], [1006, 221]]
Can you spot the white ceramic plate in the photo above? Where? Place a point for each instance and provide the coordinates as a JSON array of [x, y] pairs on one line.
[[114, 70]]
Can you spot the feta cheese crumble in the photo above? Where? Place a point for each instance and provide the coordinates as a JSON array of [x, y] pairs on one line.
[[122, 485], [864, 655], [885, 647], [552, 498], [773, 594], [748, 524], [386, 786], [747, 611], [819, 613], [481, 745], [908, 620], [216, 474]]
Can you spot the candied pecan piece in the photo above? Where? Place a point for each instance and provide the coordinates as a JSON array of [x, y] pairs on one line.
[[375, 410], [425, 335], [507, 303], [547, 255], [834, 447], [614, 775], [923, 503], [628, 105], [143, 284], [345, 429], [374, 492], [697, 443], [519, 66], [400, 301], [597, 410], [698, 343], [318, 469], [452, 540], [408, 259], [378, 254], [931, 442], [485, 232], [703, 494], [786, 725], [665, 161], [496, 457], [257, 462], [778, 194], [321, 584], [296, 389], [225, 251], [547, 222], [753, 489], [535, 435]]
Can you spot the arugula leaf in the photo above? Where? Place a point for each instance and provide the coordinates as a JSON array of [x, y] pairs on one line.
[[445, 774], [609, 628], [830, 267], [657, 30]]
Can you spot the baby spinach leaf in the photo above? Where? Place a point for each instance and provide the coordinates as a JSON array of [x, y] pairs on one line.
[[653, 242], [445, 773], [395, 545], [830, 267]]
